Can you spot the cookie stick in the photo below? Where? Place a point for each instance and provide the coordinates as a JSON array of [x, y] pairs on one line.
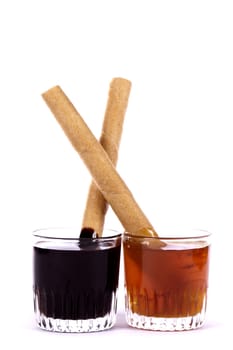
[[98, 163], [96, 205]]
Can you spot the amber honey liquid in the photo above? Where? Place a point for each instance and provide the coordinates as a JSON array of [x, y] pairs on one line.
[[166, 282]]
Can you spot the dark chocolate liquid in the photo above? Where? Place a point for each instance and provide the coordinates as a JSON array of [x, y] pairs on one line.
[[75, 284]]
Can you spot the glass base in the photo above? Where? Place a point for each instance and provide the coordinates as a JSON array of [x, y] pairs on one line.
[[75, 326], [165, 324]]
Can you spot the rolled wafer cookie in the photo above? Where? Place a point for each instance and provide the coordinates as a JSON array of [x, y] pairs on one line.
[[96, 205]]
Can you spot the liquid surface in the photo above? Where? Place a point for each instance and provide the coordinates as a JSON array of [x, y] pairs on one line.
[[166, 282], [75, 284]]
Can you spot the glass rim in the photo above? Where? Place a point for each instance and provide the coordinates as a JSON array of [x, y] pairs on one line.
[[202, 234], [35, 233]]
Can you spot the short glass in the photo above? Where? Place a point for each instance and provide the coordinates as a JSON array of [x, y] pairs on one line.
[[75, 280], [166, 280]]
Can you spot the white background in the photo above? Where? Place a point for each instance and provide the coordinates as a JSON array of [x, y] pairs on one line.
[[176, 149]]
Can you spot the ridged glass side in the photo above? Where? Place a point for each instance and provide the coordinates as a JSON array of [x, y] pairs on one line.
[[74, 314], [182, 311]]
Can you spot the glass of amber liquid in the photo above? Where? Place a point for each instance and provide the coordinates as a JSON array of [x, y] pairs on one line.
[[166, 280]]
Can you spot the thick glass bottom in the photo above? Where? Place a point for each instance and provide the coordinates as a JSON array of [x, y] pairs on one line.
[[76, 326], [166, 323]]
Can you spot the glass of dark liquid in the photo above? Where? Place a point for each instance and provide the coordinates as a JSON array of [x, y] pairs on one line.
[[166, 280], [75, 280]]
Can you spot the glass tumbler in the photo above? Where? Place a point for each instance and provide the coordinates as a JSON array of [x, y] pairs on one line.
[[166, 280], [75, 280]]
